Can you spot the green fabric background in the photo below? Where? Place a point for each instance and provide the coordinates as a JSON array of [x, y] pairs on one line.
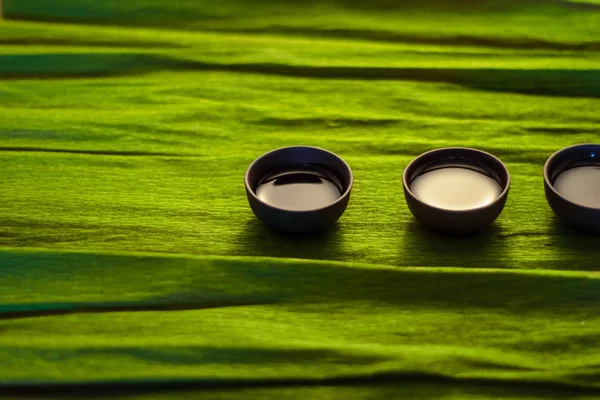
[[132, 266]]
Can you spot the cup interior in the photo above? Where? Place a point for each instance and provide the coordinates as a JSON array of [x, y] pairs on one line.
[[481, 173], [571, 157], [572, 174], [300, 165]]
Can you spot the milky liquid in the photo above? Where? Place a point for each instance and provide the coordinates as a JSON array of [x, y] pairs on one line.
[[299, 190], [580, 185], [455, 188]]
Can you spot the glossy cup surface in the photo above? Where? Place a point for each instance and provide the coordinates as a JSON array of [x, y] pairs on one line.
[[458, 220], [569, 212], [297, 218]]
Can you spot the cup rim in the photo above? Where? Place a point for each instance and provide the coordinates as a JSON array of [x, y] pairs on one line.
[[495, 159], [261, 159], [547, 172]]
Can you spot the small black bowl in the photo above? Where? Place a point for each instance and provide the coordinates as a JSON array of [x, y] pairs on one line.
[[298, 189], [474, 182], [573, 201]]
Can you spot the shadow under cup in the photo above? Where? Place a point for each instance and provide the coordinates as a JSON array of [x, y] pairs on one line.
[[456, 190]]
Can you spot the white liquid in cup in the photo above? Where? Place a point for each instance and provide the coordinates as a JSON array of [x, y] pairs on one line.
[[456, 188], [580, 185]]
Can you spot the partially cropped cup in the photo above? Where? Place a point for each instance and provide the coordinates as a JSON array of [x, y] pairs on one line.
[[298, 189], [456, 190], [572, 186]]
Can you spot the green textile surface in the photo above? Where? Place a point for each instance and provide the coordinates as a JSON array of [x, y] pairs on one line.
[[132, 266]]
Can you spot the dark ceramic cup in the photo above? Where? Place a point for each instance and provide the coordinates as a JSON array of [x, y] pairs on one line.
[[298, 189], [456, 190], [572, 186]]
